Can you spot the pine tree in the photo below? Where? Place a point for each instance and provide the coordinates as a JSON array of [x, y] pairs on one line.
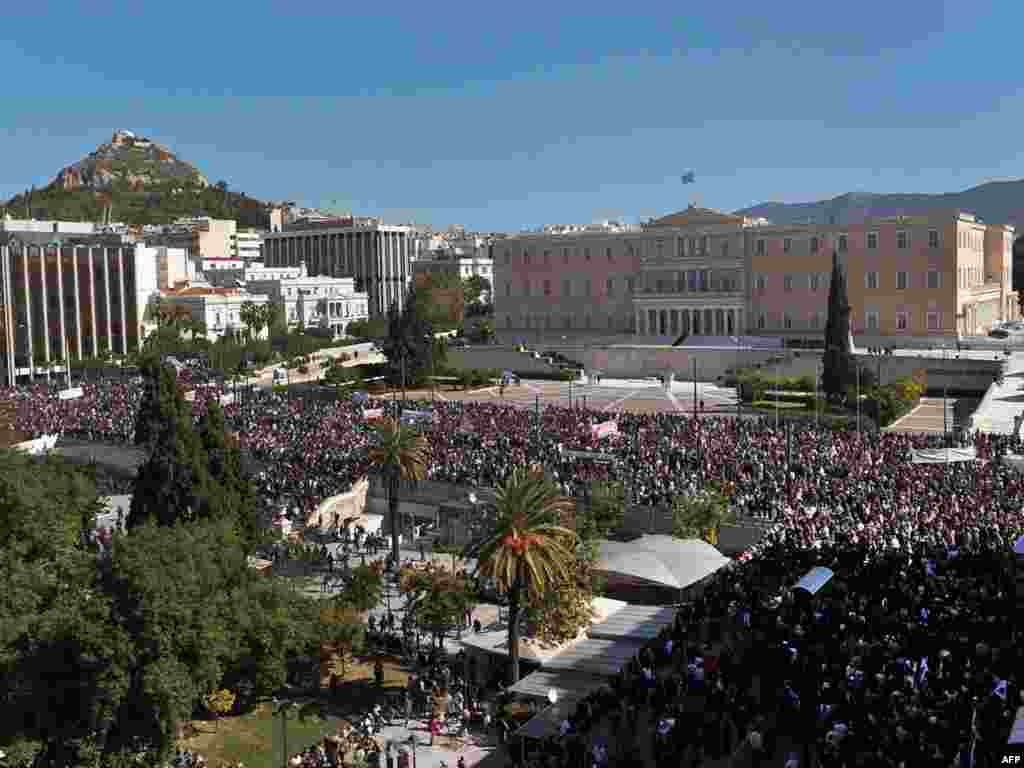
[[231, 492], [173, 480], [839, 366]]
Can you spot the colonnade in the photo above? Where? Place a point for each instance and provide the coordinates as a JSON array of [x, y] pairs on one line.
[[703, 321]]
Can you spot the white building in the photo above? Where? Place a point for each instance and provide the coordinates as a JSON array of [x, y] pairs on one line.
[[219, 308], [463, 267], [248, 245], [327, 303]]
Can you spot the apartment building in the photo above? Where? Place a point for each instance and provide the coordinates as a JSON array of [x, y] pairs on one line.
[[943, 275], [247, 245], [460, 266], [376, 256], [203, 238]]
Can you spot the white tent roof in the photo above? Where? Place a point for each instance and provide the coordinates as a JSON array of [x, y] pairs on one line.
[[663, 560], [637, 622], [570, 686], [596, 657], [547, 722]]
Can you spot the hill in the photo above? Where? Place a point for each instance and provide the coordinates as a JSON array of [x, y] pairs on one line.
[[997, 202], [136, 181]]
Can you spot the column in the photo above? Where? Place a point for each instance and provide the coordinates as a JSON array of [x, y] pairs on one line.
[[78, 304], [636, 321], [106, 298], [124, 301], [43, 254], [65, 348], [92, 302], [28, 311], [674, 320]]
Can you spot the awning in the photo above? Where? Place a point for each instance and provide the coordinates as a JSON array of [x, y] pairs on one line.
[[547, 722], [569, 686], [636, 622], [814, 580], [596, 657]]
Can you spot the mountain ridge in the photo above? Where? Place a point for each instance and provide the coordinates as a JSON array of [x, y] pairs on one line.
[[995, 202]]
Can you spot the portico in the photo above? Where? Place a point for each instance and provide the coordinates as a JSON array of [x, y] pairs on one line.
[[664, 317]]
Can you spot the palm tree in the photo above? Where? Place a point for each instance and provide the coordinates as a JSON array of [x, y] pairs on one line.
[[173, 315], [400, 455], [529, 547]]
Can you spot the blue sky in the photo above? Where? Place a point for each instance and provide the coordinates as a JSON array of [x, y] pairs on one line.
[[504, 116]]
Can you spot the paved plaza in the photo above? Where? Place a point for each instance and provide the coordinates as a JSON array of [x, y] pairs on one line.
[[612, 396]]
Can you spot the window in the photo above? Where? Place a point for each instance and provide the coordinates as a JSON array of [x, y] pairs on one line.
[[760, 322], [659, 286], [526, 255], [762, 283], [568, 322], [872, 241], [933, 238], [725, 249], [901, 281], [902, 321], [705, 244], [787, 283], [814, 282], [567, 288], [586, 287], [844, 243], [787, 244], [812, 321], [902, 240], [565, 255], [547, 257], [871, 321], [934, 279], [609, 286], [787, 322], [608, 253], [526, 288], [508, 321], [630, 285], [508, 289], [871, 281], [547, 287], [814, 245], [508, 260], [547, 322], [933, 321], [586, 254], [760, 247]]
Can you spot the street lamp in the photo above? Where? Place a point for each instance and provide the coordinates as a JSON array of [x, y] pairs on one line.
[[412, 743], [430, 349], [282, 710]]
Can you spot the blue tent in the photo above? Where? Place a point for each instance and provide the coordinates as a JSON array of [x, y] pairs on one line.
[[814, 580]]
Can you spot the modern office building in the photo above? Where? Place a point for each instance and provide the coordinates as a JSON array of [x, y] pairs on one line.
[[68, 299], [376, 256], [247, 245]]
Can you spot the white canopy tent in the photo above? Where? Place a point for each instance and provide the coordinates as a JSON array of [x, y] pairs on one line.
[[662, 560], [567, 685], [603, 658], [638, 622]]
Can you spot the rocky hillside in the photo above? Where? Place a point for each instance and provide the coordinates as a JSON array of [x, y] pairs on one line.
[[134, 180], [130, 160], [997, 202]]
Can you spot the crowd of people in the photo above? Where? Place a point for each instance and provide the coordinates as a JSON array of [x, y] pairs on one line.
[[909, 660]]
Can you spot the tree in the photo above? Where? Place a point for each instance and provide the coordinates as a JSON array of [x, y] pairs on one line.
[[409, 343], [603, 513], [196, 327], [437, 599], [342, 634], [399, 455], [364, 587], [219, 703], [474, 287], [566, 607], [440, 298], [173, 480], [701, 516], [231, 493], [838, 363], [272, 317], [173, 316], [529, 549], [252, 316]]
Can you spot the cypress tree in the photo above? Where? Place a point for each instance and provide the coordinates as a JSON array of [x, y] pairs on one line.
[[231, 494], [839, 366], [173, 480]]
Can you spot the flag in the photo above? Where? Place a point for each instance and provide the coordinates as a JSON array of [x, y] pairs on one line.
[[999, 689], [921, 677], [373, 413], [606, 429]]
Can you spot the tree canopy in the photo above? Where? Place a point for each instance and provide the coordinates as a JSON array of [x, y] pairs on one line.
[[838, 362]]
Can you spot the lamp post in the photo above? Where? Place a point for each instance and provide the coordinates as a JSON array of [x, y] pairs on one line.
[[430, 349], [412, 743], [282, 709]]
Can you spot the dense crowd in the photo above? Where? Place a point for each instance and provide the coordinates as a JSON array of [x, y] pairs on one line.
[[909, 660]]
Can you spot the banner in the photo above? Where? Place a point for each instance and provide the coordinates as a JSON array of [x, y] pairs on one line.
[[373, 413], [411, 417], [70, 394], [944, 455], [607, 429], [227, 399], [190, 396]]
